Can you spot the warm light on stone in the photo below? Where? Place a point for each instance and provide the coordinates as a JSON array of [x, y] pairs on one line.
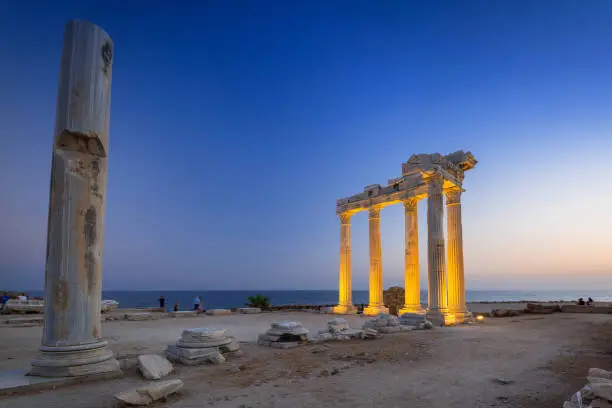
[[423, 176], [345, 291]]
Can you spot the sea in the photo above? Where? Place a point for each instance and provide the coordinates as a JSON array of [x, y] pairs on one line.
[[226, 299]]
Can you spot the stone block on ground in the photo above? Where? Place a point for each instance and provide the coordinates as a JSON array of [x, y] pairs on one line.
[[249, 310], [145, 395], [411, 319], [141, 316], [184, 313], [599, 373], [218, 312], [154, 367]]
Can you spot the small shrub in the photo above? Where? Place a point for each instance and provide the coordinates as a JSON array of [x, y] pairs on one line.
[[259, 301]]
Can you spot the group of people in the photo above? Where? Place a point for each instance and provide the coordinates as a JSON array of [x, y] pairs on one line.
[[198, 305], [589, 302]]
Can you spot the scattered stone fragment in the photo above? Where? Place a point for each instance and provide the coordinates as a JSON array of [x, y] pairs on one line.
[[154, 367], [249, 310], [144, 395], [599, 373], [427, 325], [335, 371], [127, 364], [411, 319], [218, 312], [503, 381]]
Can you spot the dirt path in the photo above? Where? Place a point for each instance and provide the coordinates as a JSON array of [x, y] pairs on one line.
[[543, 359]]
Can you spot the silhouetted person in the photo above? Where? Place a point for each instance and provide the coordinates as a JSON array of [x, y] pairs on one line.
[[581, 302], [590, 301], [176, 306], [162, 302]]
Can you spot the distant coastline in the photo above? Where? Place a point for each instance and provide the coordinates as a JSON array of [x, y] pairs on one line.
[[237, 298]]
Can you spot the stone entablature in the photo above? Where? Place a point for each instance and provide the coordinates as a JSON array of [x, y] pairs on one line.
[[430, 176], [412, 183]]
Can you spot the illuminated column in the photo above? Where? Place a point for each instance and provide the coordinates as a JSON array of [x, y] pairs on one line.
[[72, 343], [345, 290], [438, 297], [456, 279], [412, 289], [376, 280]]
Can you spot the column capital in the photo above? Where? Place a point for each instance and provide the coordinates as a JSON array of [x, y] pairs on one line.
[[374, 212], [345, 218], [411, 204], [432, 176], [453, 196]]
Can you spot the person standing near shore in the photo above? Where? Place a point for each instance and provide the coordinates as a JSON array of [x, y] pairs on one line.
[[196, 303], [162, 302]]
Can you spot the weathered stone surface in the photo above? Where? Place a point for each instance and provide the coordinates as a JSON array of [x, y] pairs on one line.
[[411, 319], [127, 364], [602, 390], [142, 316], [184, 313], [599, 373], [202, 345], [216, 358], [218, 312], [72, 343], [154, 367], [249, 310], [147, 394]]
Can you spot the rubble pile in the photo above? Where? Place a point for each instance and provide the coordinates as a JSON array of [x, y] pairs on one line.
[[386, 323], [339, 329], [596, 394]]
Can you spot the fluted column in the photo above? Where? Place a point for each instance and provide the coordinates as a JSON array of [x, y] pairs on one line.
[[72, 343], [438, 297], [376, 279], [345, 289], [456, 279], [412, 288]]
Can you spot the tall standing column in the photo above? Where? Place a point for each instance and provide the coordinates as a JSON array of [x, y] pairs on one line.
[[456, 279], [376, 279], [438, 297], [412, 288], [345, 287], [72, 342]]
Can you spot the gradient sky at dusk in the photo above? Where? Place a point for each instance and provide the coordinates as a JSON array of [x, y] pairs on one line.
[[236, 125]]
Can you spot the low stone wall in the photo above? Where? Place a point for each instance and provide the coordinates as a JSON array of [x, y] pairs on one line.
[[586, 309]]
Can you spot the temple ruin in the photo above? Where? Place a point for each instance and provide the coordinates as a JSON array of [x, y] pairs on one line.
[[430, 176]]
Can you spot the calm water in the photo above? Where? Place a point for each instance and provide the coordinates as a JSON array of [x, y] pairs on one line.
[[229, 299]]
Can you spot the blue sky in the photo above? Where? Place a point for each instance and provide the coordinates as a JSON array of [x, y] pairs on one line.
[[235, 125]]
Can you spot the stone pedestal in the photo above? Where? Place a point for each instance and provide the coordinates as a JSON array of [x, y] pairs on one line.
[[456, 280], [376, 305], [412, 288], [438, 298], [72, 342], [345, 289]]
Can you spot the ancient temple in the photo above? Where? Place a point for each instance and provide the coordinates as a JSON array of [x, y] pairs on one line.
[[431, 176]]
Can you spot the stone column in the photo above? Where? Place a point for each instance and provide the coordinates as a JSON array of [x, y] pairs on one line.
[[456, 279], [438, 297], [72, 342], [412, 288], [376, 280], [345, 287]]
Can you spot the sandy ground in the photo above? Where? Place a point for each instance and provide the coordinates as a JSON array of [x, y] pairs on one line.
[[544, 357]]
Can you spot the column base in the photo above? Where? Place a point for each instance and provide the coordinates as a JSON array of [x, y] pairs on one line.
[[373, 310], [441, 317], [74, 361], [416, 309], [461, 316], [344, 309]]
